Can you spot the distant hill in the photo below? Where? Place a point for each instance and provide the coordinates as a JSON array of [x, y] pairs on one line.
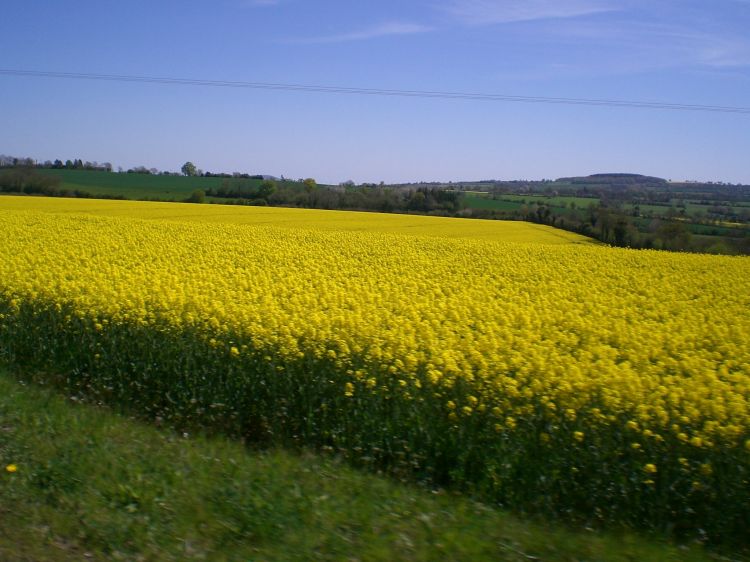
[[615, 180]]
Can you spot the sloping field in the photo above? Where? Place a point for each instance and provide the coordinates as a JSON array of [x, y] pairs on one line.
[[573, 379], [132, 186], [309, 219]]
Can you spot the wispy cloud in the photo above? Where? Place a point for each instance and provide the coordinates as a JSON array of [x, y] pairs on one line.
[[722, 52], [627, 47], [380, 30], [487, 12], [671, 44]]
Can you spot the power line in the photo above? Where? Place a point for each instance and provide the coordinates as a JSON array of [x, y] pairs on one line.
[[375, 91]]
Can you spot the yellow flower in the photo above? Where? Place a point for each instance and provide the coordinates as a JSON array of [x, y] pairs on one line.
[[441, 307], [650, 468], [11, 468]]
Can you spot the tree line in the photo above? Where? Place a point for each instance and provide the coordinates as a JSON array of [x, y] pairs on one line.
[[26, 181], [306, 193], [605, 220], [616, 227], [75, 164]]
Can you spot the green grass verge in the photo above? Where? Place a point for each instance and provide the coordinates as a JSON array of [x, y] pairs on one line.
[[93, 485], [174, 376]]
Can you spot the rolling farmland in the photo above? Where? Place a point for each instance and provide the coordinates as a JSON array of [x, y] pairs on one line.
[[517, 362]]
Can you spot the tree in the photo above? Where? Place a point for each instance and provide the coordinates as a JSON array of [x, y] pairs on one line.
[[266, 189], [310, 184], [675, 235], [189, 169], [198, 196]]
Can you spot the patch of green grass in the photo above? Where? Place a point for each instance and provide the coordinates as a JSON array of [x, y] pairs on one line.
[[647, 209], [139, 186], [711, 229], [554, 201], [486, 203], [559, 205], [132, 186], [693, 208], [93, 485]]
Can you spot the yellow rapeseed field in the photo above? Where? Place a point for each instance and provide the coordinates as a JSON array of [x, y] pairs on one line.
[[511, 330], [309, 219]]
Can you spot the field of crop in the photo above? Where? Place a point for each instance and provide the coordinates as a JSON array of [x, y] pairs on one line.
[[305, 219], [156, 187], [553, 201], [132, 186], [485, 202], [510, 360], [514, 202]]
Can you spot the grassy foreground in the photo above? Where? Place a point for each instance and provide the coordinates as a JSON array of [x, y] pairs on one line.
[[89, 484]]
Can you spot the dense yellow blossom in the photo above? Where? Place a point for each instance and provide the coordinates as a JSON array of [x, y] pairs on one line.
[[584, 330], [513, 360]]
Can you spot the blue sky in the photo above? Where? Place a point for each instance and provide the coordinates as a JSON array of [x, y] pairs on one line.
[[688, 51]]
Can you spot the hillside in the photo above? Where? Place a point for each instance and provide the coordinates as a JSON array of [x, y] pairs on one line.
[[137, 186], [620, 209]]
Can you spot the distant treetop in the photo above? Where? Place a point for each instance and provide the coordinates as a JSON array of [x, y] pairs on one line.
[[189, 169]]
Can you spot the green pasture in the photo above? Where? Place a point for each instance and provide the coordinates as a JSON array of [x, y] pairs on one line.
[[505, 202], [80, 482], [553, 201], [716, 230], [134, 186], [474, 201], [649, 209]]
